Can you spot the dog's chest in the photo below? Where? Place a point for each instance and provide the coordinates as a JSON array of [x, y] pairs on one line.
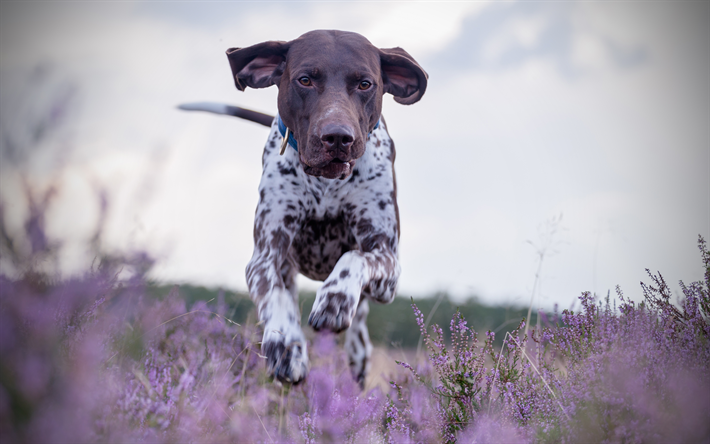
[[327, 211], [319, 244], [329, 220]]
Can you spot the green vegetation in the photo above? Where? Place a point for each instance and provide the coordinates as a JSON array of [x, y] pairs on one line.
[[389, 325]]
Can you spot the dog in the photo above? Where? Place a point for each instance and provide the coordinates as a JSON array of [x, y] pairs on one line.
[[328, 195]]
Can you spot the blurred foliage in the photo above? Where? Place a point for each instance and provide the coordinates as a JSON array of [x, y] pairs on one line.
[[390, 325]]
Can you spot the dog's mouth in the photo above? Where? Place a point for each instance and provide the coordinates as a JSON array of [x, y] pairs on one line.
[[335, 169]]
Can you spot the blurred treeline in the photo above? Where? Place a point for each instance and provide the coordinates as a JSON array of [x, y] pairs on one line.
[[391, 325]]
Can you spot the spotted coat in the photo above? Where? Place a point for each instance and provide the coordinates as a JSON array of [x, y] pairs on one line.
[[329, 209], [343, 232]]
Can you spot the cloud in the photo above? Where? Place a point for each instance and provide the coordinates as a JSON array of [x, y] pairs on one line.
[[505, 36]]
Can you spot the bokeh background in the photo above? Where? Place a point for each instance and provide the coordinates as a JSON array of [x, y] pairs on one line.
[[575, 133]]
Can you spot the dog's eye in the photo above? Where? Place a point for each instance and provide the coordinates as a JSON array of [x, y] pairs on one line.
[[364, 85], [305, 81]]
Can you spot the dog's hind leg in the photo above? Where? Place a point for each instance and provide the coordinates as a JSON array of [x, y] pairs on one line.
[[358, 345]]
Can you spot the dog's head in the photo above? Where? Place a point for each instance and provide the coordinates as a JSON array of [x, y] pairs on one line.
[[330, 91]]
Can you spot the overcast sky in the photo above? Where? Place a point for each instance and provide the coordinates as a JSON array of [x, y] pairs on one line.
[[595, 113]]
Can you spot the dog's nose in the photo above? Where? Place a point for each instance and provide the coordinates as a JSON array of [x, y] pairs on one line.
[[337, 136]]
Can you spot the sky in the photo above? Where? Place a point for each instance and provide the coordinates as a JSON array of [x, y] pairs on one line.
[[575, 133]]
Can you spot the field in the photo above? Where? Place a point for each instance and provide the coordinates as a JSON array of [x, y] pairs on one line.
[[597, 110], [111, 357]]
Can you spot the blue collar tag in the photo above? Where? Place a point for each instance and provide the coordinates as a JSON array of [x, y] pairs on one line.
[[292, 140]]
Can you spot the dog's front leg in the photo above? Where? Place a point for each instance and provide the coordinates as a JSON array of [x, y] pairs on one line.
[[283, 343], [373, 273]]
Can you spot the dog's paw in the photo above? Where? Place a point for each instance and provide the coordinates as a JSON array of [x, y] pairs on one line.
[[286, 359], [332, 310]]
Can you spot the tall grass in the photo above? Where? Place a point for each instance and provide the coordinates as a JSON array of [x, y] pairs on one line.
[[98, 358]]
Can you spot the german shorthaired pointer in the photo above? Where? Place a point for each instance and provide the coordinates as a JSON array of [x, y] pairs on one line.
[[327, 198]]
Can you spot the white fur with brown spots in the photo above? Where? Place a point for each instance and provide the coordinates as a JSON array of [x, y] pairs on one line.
[[361, 209]]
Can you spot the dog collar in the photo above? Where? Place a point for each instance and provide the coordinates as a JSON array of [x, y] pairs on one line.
[[288, 138]]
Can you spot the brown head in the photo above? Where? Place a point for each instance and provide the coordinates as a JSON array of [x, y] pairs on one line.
[[330, 91]]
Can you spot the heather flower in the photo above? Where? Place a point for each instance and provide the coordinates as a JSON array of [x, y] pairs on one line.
[[95, 358]]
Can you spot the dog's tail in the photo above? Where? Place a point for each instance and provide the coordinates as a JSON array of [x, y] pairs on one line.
[[229, 110]]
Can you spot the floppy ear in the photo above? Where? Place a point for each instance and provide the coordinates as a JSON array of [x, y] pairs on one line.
[[258, 66], [402, 76]]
